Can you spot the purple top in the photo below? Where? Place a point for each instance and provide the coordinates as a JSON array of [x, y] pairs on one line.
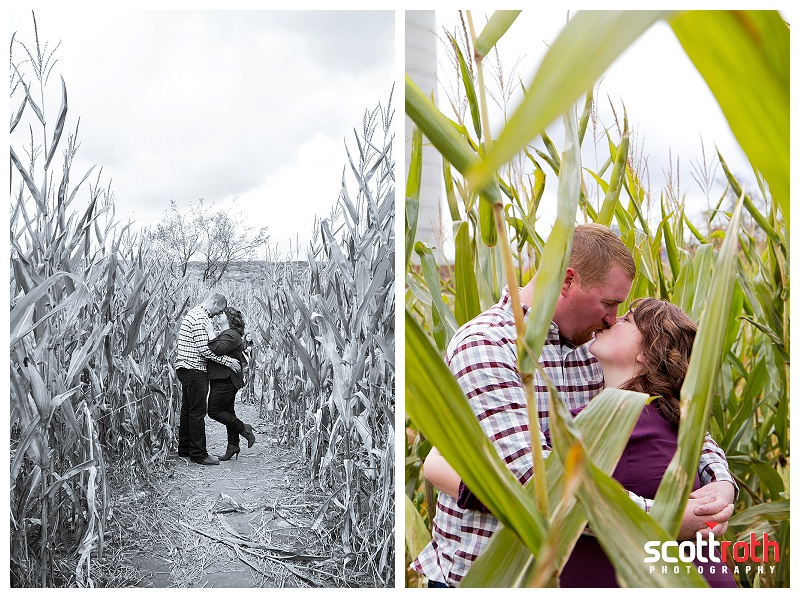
[[643, 463]]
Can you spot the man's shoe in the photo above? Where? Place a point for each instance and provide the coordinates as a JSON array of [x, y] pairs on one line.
[[209, 460]]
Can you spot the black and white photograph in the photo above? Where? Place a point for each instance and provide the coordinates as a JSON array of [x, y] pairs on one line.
[[202, 298]]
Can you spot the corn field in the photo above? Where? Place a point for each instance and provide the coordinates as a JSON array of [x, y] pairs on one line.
[[728, 269], [324, 351], [93, 329]]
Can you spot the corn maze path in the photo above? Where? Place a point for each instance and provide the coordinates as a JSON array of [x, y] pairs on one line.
[[255, 521]]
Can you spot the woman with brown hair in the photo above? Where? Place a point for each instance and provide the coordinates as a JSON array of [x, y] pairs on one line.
[[648, 351], [224, 383]]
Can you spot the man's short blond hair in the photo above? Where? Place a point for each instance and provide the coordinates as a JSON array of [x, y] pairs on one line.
[[595, 250], [217, 299]]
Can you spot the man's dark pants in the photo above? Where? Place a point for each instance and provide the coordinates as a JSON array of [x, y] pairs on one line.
[[437, 584], [192, 428]]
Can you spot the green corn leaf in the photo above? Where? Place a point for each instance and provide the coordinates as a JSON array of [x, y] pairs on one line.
[[554, 164], [777, 510], [438, 407], [585, 48], [441, 132], [748, 203], [469, 87], [669, 241], [605, 424], [770, 478], [438, 128], [412, 215], [698, 387], [744, 58], [417, 534], [487, 219], [495, 28], [553, 265], [450, 193], [622, 529], [586, 114], [467, 303], [703, 265], [552, 152], [617, 176], [601, 183], [444, 320]]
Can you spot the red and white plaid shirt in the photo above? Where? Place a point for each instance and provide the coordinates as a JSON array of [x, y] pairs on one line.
[[483, 358], [193, 350]]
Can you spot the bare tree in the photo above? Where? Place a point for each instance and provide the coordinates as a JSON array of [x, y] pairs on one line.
[[215, 236], [179, 235]]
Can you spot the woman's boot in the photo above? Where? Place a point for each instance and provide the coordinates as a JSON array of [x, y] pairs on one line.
[[248, 434], [233, 451]]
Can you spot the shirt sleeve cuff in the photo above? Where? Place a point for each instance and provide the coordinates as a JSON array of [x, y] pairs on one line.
[[468, 501], [646, 504]]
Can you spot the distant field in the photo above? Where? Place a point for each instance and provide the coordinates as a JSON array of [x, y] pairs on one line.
[[248, 270]]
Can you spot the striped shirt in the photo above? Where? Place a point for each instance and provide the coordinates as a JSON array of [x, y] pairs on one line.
[[482, 356], [193, 342]]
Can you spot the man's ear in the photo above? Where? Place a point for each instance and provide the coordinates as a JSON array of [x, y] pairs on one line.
[[569, 278]]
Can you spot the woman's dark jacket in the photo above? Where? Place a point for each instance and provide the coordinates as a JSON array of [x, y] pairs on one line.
[[230, 343]]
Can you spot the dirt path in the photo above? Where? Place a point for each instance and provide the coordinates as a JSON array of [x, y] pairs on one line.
[[248, 522]]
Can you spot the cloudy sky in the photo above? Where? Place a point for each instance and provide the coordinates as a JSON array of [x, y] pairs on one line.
[[254, 105]]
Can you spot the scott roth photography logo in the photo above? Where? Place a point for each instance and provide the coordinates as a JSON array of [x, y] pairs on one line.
[[743, 556]]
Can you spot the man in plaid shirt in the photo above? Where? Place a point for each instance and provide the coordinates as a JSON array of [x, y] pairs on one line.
[[483, 358], [190, 365]]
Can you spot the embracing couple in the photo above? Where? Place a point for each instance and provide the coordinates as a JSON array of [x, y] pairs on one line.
[[209, 365], [587, 348]]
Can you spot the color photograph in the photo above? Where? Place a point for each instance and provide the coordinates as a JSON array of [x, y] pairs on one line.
[[597, 299]]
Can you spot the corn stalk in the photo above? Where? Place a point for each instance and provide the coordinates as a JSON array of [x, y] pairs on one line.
[[90, 384]]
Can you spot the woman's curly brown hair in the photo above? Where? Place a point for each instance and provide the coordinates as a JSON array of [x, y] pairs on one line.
[[235, 319], [667, 339]]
